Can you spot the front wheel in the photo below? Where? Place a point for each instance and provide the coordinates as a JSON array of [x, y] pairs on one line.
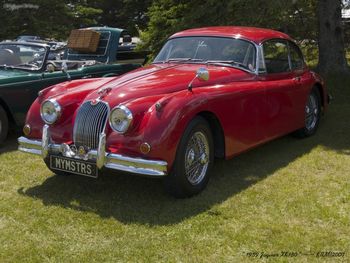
[[193, 162], [4, 125], [312, 114]]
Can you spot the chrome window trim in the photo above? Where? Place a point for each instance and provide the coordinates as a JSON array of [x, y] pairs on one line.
[[255, 71], [287, 45], [291, 43]]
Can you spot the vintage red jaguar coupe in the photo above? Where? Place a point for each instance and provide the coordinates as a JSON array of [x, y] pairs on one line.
[[210, 92]]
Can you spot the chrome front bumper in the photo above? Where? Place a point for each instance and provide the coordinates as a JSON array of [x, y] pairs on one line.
[[103, 159]]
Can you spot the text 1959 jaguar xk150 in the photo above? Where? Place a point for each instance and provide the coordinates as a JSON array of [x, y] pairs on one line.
[[210, 92]]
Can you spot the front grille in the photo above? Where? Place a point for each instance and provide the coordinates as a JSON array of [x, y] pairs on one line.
[[89, 123]]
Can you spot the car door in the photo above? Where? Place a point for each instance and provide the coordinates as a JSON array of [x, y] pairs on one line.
[[282, 89], [303, 81]]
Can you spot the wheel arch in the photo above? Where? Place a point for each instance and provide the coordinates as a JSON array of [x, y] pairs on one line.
[[8, 112], [217, 132], [321, 90]]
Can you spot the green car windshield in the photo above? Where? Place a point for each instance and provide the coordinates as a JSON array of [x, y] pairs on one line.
[[212, 50], [22, 56]]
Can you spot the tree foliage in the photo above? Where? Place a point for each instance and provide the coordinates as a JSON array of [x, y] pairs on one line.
[[127, 14], [55, 18], [156, 20], [168, 16], [52, 18]]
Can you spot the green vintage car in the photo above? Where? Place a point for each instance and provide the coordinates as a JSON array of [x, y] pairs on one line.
[[26, 68]]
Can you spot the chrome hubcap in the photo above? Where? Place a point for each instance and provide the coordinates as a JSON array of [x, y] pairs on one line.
[[197, 158], [311, 113]]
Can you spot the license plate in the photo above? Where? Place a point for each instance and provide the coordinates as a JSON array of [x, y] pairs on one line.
[[74, 166]]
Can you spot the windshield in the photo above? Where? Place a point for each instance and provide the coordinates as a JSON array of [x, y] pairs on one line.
[[214, 50], [22, 56]]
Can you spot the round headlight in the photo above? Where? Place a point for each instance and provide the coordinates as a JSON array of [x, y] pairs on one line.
[[120, 119], [50, 111]]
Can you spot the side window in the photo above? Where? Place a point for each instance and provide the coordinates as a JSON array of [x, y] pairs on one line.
[[276, 56], [296, 57]]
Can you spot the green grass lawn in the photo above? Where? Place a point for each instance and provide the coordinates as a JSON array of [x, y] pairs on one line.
[[289, 195]]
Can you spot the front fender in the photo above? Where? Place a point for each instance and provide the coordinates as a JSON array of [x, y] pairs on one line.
[[163, 127], [159, 121]]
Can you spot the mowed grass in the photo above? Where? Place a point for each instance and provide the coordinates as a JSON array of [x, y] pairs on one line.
[[288, 195]]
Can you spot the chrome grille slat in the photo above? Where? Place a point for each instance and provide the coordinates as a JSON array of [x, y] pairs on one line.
[[81, 129], [87, 126], [99, 126], [90, 121]]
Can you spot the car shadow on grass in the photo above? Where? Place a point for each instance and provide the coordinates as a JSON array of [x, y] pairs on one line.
[[134, 199]]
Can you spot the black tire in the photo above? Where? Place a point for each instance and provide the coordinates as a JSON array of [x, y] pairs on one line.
[[4, 125], [177, 183], [310, 128]]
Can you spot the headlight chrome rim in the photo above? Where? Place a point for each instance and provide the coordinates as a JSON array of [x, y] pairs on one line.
[[128, 117], [57, 108]]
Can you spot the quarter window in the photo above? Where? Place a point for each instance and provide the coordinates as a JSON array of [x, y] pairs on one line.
[[296, 58], [276, 56]]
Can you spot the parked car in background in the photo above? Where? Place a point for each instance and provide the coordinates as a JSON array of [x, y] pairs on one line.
[[27, 67], [28, 38], [210, 92]]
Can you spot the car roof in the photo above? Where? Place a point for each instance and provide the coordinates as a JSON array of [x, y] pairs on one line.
[[254, 34]]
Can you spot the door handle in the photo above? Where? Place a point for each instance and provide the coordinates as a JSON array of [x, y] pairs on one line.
[[298, 79]]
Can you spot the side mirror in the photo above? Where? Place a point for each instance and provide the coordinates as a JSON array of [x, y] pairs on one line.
[[64, 69], [202, 74]]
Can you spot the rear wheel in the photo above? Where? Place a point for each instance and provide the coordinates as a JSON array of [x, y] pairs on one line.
[[4, 125], [312, 114], [193, 162]]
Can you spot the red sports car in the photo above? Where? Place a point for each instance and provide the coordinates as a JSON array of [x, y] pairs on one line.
[[210, 92]]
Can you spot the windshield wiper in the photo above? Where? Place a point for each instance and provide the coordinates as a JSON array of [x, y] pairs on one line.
[[228, 62], [180, 60]]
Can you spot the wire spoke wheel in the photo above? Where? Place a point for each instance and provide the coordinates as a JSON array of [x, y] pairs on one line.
[[311, 112], [196, 158]]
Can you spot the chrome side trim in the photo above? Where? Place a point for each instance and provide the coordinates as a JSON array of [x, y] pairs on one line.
[[36, 146], [101, 151], [136, 165], [29, 146], [45, 141]]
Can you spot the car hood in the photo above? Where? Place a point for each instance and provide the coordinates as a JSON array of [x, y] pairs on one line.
[[165, 78]]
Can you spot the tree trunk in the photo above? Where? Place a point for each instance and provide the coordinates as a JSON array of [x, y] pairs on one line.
[[330, 37]]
